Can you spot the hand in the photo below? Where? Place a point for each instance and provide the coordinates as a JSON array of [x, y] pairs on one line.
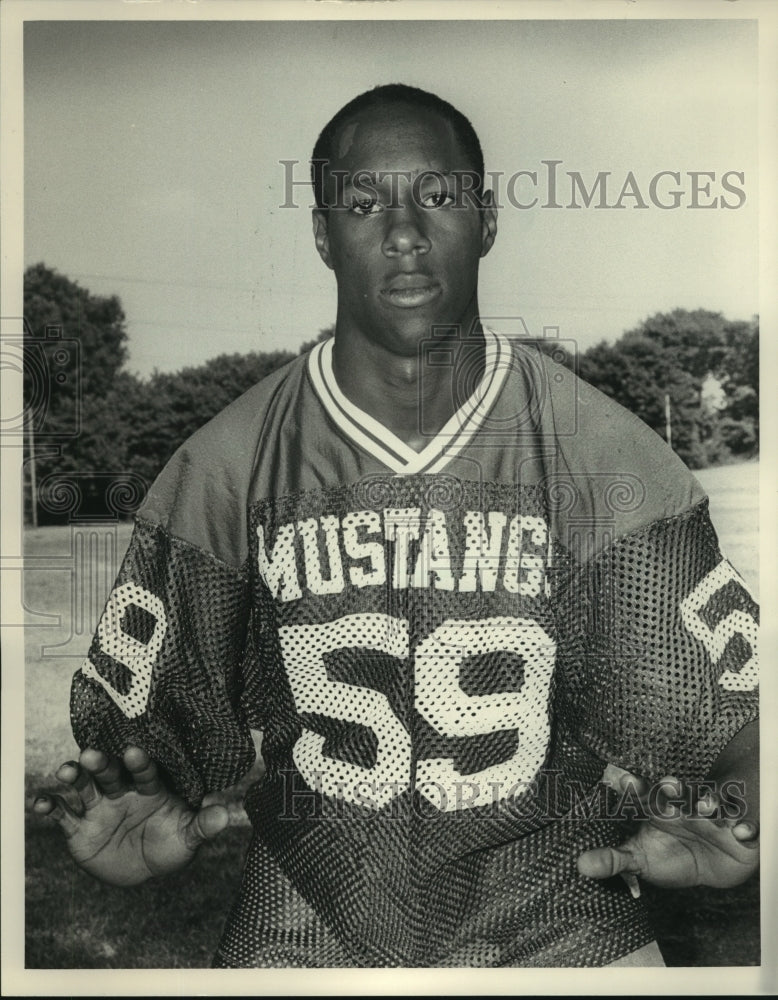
[[130, 827], [677, 846]]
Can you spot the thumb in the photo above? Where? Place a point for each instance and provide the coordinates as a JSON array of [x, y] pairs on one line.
[[604, 862], [205, 824]]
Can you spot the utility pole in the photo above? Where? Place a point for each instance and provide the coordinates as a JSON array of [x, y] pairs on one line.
[[668, 424], [28, 419]]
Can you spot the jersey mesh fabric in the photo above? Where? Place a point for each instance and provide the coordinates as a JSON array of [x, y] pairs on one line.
[[650, 648], [517, 905], [440, 677], [181, 660]]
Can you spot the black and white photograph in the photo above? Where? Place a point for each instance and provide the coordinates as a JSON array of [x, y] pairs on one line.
[[381, 510]]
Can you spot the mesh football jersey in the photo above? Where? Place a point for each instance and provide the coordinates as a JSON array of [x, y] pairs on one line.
[[443, 649]]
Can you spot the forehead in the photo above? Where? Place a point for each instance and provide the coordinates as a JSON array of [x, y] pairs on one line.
[[396, 137]]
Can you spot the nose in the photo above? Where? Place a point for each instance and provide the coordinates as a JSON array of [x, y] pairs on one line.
[[405, 232]]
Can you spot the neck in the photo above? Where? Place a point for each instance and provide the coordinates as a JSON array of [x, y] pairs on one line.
[[412, 396]]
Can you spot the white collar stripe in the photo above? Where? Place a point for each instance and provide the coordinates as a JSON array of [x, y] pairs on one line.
[[480, 403], [382, 443], [338, 407], [358, 419]]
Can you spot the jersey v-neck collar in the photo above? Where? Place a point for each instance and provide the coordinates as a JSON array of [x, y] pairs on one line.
[[381, 443]]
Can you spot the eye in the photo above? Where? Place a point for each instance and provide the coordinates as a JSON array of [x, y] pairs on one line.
[[436, 199], [365, 206]]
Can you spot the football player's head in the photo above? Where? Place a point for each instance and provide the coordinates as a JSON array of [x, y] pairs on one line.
[[402, 218], [390, 96]]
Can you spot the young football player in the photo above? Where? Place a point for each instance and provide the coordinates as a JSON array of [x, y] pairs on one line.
[[455, 588]]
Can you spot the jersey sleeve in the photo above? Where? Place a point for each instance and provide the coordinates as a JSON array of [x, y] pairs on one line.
[[172, 654], [658, 649]]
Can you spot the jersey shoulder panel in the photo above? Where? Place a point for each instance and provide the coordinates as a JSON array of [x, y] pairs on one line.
[[610, 468], [201, 496]]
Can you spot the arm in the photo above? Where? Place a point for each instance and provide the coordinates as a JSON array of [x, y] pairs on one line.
[[159, 695], [129, 827], [687, 839], [668, 677], [162, 689]]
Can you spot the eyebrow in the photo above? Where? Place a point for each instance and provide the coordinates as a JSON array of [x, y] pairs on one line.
[[381, 176]]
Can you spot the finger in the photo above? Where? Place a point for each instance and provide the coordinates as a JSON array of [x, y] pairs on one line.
[[205, 825], [668, 799], [747, 833], [106, 772], [143, 770], [605, 862], [711, 806], [625, 781], [71, 773], [55, 807]]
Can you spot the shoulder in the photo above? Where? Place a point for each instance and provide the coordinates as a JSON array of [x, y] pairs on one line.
[[223, 439], [609, 467], [201, 494]]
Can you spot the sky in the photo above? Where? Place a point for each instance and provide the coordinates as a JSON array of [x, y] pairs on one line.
[[153, 167]]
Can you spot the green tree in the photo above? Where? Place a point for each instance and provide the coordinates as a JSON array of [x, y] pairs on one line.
[[696, 339], [75, 345], [637, 372], [672, 353], [96, 322], [94, 423]]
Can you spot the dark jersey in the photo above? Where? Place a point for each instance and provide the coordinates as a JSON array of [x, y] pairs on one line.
[[443, 650]]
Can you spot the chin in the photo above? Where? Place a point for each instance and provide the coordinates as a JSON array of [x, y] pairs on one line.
[[407, 342]]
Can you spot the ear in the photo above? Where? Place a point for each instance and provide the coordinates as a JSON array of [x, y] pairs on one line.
[[321, 235], [488, 222]]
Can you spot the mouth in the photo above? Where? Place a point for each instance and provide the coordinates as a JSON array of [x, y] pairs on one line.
[[409, 291]]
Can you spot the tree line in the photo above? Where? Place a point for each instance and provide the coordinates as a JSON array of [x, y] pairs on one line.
[[97, 435]]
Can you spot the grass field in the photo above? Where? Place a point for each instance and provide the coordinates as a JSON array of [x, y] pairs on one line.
[[72, 921]]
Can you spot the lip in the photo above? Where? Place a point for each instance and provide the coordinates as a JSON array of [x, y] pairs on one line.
[[409, 291]]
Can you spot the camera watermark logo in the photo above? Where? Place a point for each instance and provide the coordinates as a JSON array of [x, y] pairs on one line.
[[80, 568], [473, 370], [50, 367]]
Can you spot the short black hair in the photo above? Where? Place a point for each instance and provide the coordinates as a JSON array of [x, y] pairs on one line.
[[385, 96]]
